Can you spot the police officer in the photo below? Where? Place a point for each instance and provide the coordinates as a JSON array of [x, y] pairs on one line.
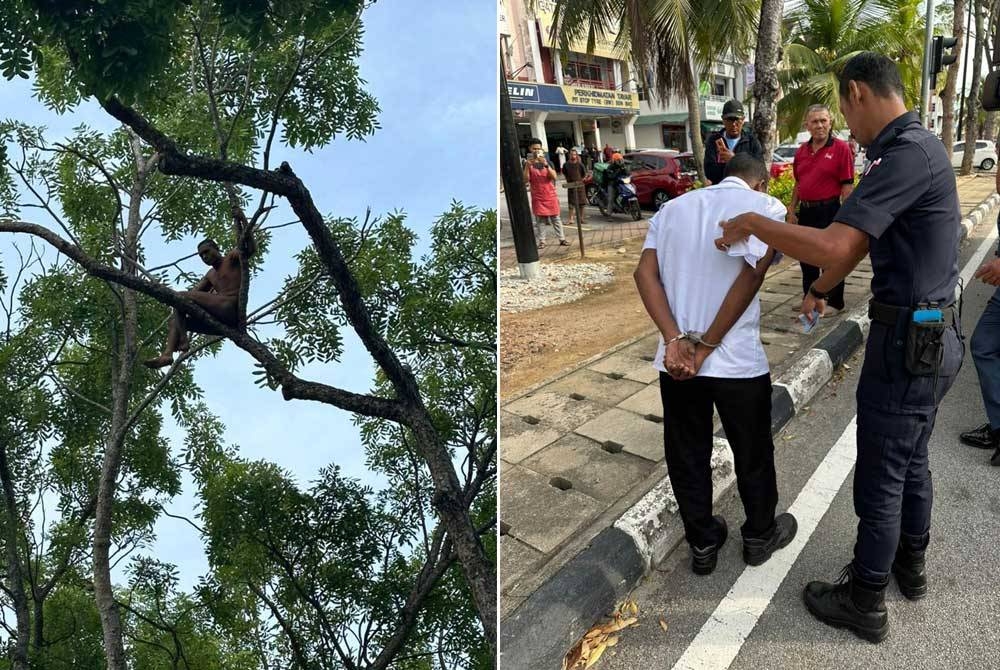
[[731, 140], [905, 212]]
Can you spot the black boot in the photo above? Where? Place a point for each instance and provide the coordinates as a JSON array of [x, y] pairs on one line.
[[850, 603], [757, 550], [908, 566], [704, 559], [982, 437], [995, 459]]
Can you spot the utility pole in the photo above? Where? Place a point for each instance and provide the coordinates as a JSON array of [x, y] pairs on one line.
[[513, 185], [965, 71], [925, 87]]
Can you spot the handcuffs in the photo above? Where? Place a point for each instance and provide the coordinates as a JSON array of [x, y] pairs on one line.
[[693, 337]]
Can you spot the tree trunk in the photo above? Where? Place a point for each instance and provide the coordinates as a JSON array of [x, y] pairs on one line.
[[15, 569], [972, 103], [694, 120], [951, 82], [989, 127], [124, 353], [765, 87]]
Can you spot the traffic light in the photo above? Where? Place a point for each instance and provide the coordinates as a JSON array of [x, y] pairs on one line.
[[939, 58]]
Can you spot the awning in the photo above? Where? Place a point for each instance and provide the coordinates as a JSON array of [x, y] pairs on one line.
[[652, 119]]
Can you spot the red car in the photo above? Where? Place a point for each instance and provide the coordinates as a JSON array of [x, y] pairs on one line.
[[779, 165], [657, 176]]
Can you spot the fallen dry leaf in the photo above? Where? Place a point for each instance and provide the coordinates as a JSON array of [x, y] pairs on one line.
[[595, 641], [663, 623], [596, 655]]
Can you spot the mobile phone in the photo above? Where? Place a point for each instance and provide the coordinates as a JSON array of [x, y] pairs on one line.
[[807, 323]]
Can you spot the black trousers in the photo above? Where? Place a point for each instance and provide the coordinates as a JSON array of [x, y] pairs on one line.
[[820, 217], [893, 494], [745, 409]]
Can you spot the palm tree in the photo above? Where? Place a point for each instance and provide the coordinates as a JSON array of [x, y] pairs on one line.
[[669, 37], [825, 34]]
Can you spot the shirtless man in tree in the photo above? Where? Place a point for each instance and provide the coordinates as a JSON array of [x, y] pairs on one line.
[[217, 293]]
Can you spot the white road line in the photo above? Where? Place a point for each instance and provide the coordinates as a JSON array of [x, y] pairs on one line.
[[719, 641]]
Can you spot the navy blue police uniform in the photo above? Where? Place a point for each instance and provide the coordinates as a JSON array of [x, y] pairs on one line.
[[907, 202]]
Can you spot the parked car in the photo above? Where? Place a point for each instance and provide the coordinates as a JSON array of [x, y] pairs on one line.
[[657, 174], [780, 164], [985, 157], [787, 151]]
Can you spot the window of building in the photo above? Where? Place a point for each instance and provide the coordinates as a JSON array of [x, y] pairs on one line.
[[590, 71], [719, 88]]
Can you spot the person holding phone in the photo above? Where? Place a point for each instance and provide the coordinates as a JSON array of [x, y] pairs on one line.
[[733, 139], [538, 173]]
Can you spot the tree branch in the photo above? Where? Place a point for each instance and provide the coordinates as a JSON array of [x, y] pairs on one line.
[[292, 386]]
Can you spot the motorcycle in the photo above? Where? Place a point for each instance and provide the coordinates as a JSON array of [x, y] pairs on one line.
[[626, 200]]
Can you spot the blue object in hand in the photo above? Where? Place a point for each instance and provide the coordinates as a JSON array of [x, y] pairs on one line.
[[809, 324]]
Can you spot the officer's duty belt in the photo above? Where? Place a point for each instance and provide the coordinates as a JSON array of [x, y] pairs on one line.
[[891, 314], [807, 204]]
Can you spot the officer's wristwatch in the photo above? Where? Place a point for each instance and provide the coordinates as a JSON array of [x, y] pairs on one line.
[[816, 294]]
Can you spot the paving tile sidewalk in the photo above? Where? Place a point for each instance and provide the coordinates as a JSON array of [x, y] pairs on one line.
[[579, 450]]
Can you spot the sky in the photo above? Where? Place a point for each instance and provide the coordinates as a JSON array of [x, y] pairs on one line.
[[432, 67]]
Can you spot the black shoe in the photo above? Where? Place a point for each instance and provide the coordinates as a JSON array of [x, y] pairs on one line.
[[909, 567], [757, 550], [849, 604], [703, 559], [995, 459], [981, 438]]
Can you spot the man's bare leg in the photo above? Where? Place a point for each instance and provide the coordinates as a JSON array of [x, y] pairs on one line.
[[177, 340]]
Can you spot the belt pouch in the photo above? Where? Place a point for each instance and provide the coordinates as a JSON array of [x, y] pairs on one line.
[[924, 348]]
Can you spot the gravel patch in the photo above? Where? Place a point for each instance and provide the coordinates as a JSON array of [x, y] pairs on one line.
[[556, 284]]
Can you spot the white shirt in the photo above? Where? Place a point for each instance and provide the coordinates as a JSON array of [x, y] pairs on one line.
[[696, 276]]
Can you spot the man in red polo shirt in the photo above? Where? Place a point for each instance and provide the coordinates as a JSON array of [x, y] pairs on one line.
[[824, 177]]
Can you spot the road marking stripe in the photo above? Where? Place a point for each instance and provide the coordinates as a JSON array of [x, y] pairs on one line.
[[720, 639]]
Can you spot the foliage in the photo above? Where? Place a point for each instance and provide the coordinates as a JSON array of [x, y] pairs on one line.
[[332, 559], [821, 36], [782, 186]]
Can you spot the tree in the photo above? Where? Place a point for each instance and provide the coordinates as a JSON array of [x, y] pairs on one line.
[[823, 36], [669, 37], [765, 87], [86, 333], [220, 80], [951, 81], [973, 104]]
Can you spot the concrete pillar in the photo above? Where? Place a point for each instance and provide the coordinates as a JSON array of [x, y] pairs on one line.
[[597, 136], [578, 132], [617, 69], [538, 127], [630, 132], [536, 52], [557, 66]]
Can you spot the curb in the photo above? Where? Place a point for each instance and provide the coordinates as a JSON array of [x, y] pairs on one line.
[[976, 215], [540, 631]]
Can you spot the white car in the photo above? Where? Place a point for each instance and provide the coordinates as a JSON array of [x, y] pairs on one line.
[[787, 151], [985, 157]]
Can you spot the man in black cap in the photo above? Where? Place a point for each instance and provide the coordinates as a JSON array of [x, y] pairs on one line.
[[731, 140]]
